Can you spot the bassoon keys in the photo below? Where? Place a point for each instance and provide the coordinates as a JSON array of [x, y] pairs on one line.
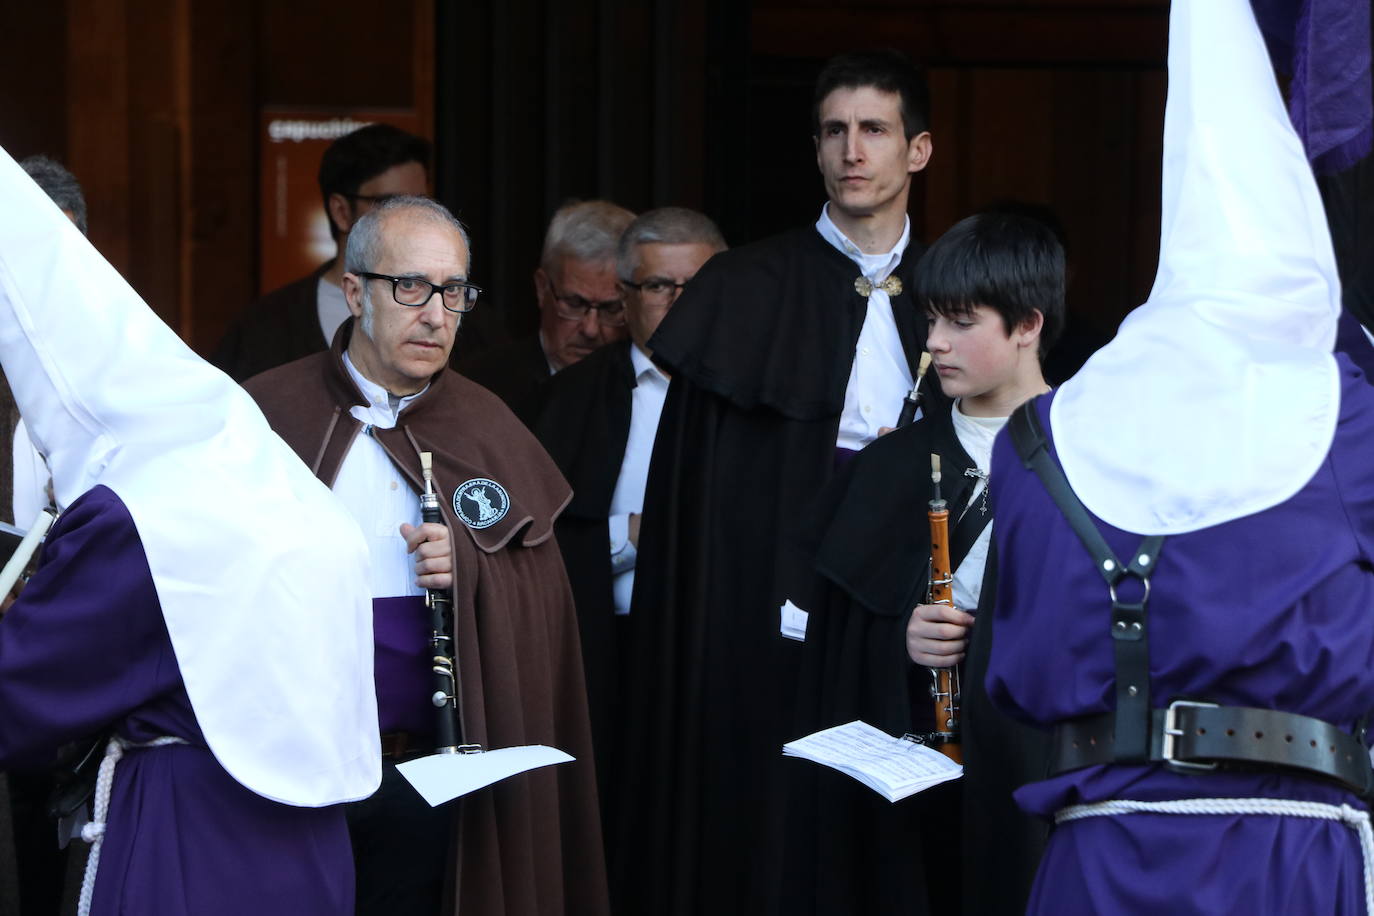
[[944, 688]]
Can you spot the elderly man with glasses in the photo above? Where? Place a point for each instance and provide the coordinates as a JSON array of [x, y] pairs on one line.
[[598, 421], [360, 415], [581, 308]]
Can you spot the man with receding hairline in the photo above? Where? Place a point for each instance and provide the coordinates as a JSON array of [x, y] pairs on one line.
[[598, 421], [362, 414]]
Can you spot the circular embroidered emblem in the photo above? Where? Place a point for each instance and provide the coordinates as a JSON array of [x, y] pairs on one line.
[[480, 502]]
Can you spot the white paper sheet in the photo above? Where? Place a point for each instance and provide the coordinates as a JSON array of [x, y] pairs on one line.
[[893, 767], [793, 622], [444, 777]]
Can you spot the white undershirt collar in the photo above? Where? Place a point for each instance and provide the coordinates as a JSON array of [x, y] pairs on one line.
[[875, 267], [382, 407]]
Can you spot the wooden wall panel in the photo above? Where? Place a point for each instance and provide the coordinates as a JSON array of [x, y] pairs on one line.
[[33, 79], [219, 232], [649, 102], [1085, 142], [98, 118], [157, 164], [1090, 31]]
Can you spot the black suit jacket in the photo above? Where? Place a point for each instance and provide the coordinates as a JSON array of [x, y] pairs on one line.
[[584, 423], [515, 373], [279, 328]]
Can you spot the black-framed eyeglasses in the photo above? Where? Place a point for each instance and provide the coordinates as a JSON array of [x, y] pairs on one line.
[[415, 292], [657, 287], [611, 312]]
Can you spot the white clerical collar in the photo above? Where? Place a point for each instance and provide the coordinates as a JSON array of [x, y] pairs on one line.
[[643, 365], [875, 267], [383, 407]]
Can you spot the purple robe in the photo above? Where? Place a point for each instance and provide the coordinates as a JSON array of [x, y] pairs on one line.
[[1353, 342], [401, 666], [1274, 610], [85, 647]]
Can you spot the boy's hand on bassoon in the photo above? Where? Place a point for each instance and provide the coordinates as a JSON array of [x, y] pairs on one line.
[[937, 635]]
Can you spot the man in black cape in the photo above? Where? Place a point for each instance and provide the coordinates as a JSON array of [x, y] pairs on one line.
[[786, 355], [597, 422]]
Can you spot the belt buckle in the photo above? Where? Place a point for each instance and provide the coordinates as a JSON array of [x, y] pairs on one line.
[[1172, 731]]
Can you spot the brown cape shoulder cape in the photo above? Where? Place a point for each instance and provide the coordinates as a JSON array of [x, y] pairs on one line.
[[531, 844]]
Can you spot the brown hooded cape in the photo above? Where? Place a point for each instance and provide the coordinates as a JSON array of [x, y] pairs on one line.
[[530, 844]]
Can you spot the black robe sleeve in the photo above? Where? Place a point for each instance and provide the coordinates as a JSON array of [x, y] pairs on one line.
[[866, 543], [1000, 755], [584, 425]]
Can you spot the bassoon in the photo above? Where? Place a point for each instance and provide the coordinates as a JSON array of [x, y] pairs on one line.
[[440, 605], [944, 688]]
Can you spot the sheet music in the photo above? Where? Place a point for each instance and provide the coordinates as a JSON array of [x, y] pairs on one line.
[[895, 768]]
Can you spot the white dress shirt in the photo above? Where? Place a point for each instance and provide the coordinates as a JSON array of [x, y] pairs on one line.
[[330, 306], [976, 435], [375, 492], [879, 378], [646, 404]]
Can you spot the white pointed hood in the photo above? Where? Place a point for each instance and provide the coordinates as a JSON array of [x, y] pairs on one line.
[[262, 575], [1219, 396]]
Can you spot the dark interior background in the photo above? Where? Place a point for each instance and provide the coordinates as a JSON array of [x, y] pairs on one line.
[[155, 105]]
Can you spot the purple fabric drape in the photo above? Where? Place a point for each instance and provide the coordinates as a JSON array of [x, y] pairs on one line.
[[1324, 45]]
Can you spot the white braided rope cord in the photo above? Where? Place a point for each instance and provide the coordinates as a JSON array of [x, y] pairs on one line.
[[1353, 818], [94, 832]]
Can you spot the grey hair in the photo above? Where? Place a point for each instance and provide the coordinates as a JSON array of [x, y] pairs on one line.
[[59, 184], [365, 238], [586, 230], [665, 226]]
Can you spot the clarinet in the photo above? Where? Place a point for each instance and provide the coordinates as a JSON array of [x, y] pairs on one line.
[[913, 399], [944, 688], [440, 606]]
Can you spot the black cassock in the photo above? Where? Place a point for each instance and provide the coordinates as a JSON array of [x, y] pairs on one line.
[[584, 423], [962, 845], [760, 347]]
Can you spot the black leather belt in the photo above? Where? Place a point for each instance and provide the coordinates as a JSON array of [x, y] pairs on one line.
[[1196, 736]]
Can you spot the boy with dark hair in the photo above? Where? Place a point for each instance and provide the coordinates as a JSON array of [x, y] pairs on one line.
[[992, 289]]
